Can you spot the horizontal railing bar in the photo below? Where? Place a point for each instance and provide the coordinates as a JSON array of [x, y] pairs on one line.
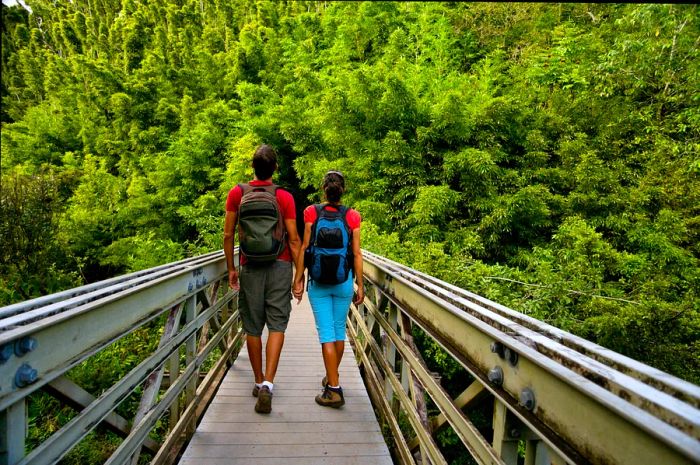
[[51, 450], [379, 400], [31, 316], [462, 426], [43, 301], [93, 326], [174, 437], [140, 431], [472, 340], [657, 379], [425, 439]]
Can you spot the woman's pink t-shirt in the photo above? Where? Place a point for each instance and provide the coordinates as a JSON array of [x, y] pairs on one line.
[[353, 216]]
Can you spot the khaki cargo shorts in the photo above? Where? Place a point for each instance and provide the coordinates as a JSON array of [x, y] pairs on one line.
[[265, 297]]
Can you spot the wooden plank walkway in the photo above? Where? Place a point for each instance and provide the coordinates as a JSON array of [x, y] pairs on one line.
[[298, 431]]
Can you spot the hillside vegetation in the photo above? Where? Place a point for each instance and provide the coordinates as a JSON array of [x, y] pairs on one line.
[[544, 156]]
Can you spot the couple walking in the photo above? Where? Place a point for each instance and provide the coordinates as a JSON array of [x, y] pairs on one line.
[[269, 248]]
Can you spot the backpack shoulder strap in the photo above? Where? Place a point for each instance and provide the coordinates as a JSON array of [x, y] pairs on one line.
[[319, 209], [246, 187], [344, 215]]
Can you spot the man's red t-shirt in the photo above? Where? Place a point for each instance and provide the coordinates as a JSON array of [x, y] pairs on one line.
[[352, 216], [285, 202]]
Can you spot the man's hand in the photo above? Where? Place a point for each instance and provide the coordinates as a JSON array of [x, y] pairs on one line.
[[233, 280], [298, 289]]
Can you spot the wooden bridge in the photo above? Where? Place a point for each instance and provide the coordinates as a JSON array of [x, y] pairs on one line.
[[534, 394], [298, 431]]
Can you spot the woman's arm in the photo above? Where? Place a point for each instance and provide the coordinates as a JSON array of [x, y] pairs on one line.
[[299, 261], [298, 288], [357, 253]]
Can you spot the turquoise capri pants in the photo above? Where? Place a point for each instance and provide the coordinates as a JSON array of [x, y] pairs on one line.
[[330, 304]]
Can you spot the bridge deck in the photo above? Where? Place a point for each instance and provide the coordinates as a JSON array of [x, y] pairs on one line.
[[298, 431]]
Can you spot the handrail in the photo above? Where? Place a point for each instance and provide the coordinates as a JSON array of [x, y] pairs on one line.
[[464, 299], [63, 296], [42, 339], [555, 396], [568, 399]]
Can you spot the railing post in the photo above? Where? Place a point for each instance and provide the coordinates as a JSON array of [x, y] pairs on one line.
[[503, 443], [190, 354], [174, 369], [532, 455], [152, 385], [390, 356], [13, 430], [413, 387]]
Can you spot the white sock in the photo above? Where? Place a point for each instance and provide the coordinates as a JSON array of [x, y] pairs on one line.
[[258, 385], [268, 384], [334, 387]]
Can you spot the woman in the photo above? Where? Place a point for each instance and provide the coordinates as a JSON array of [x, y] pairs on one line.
[[331, 302]]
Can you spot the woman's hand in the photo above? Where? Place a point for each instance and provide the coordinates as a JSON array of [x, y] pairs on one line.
[[298, 288], [359, 296]]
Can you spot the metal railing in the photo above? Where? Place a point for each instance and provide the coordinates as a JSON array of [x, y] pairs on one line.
[[554, 397], [43, 339]]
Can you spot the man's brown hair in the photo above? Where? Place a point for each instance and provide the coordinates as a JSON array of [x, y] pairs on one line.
[[264, 162]]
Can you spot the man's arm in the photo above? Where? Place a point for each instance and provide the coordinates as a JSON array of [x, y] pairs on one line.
[[229, 238], [293, 237]]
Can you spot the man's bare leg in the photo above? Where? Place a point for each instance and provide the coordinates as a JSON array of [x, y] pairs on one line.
[[273, 349], [254, 344]]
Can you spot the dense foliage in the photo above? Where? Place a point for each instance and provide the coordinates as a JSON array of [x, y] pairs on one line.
[[545, 156]]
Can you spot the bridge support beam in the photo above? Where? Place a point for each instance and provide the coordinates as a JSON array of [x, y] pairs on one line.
[[69, 393]]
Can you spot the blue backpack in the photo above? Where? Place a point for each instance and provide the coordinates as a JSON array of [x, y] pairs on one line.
[[329, 256]]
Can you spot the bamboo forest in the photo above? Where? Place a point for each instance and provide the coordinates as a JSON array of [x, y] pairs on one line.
[[545, 156]]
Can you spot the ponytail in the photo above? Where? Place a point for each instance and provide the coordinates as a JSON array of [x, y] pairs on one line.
[[333, 186]]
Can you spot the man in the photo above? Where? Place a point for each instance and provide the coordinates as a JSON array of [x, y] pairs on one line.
[[265, 288]]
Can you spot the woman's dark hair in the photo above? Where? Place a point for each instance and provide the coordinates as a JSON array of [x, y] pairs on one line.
[[333, 186], [264, 162]]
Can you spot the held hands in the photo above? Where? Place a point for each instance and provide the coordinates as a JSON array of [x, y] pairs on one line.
[[298, 288], [359, 296], [233, 280]]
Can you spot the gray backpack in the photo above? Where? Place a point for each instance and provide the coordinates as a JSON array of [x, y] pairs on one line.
[[260, 224]]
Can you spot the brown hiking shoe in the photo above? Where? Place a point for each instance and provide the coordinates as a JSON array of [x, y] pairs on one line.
[[264, 403], [256, 389], [324, 381], [331, 397]]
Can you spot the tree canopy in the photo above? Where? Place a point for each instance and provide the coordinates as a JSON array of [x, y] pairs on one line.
[[546, 156]]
